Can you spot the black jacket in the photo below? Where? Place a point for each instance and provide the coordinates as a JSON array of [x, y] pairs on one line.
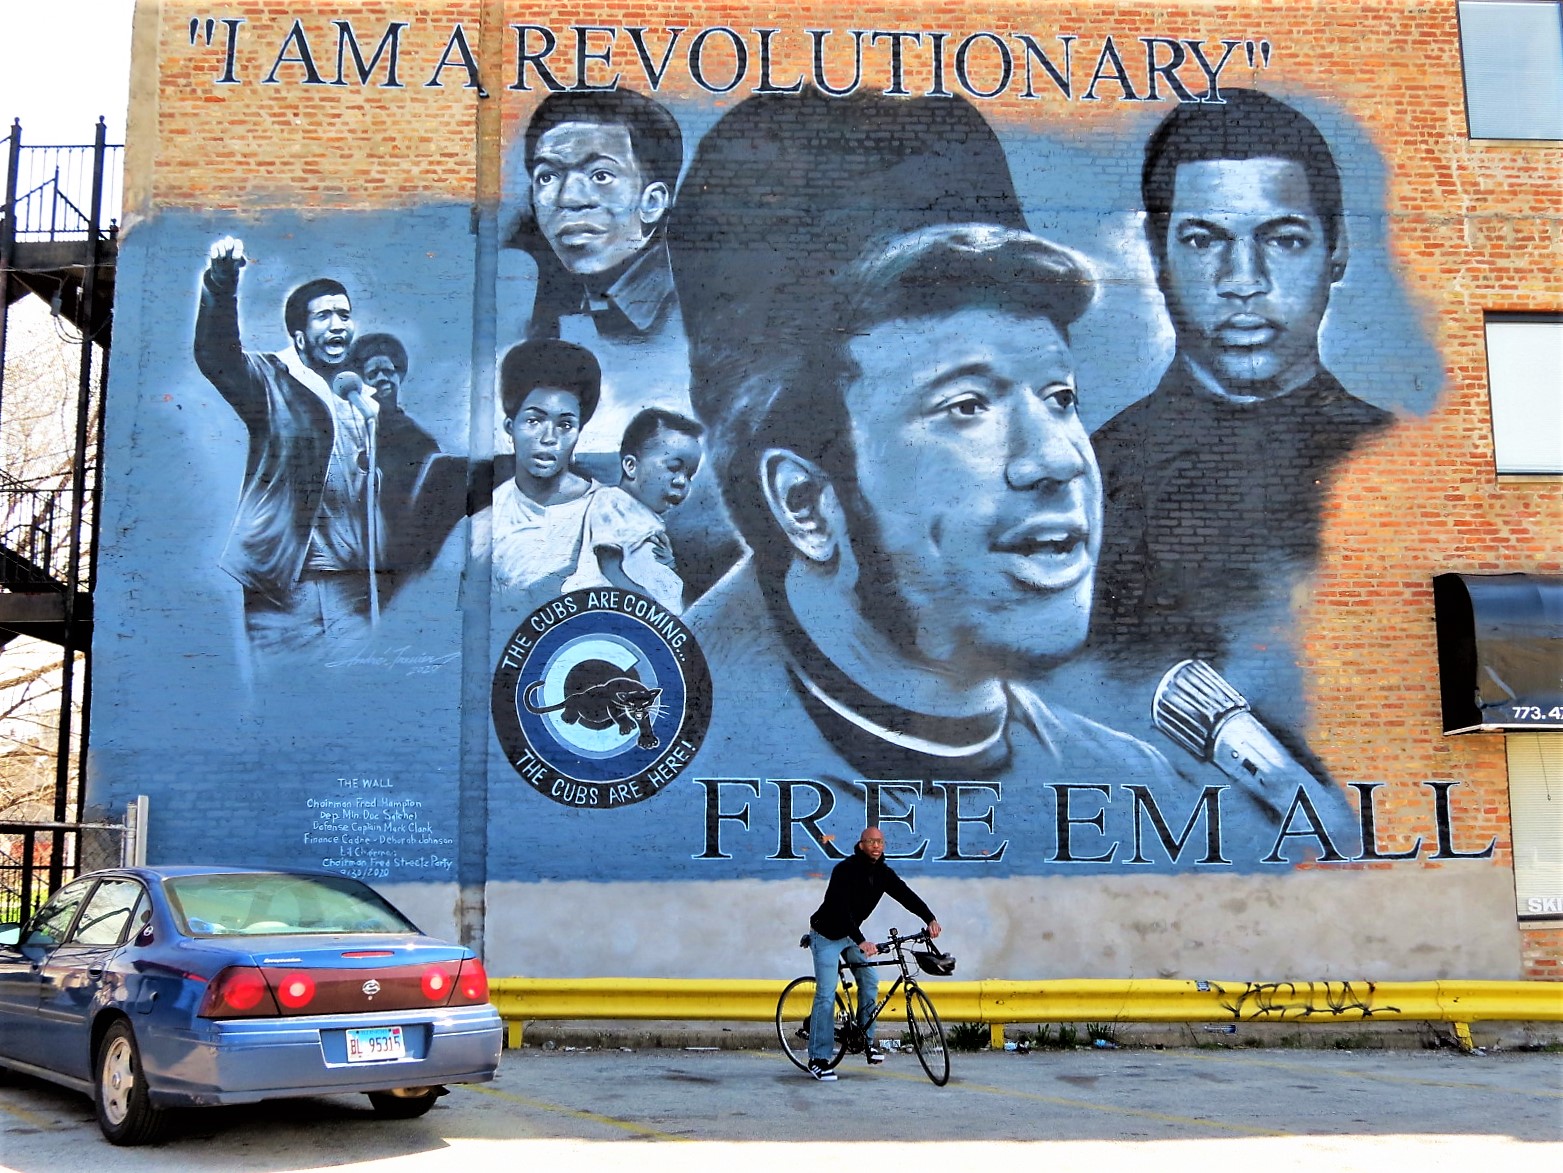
[[1212, 506], [856, 884]]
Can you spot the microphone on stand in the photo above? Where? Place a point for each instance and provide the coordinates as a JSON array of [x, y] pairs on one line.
[[1198, 709], [350, 387]]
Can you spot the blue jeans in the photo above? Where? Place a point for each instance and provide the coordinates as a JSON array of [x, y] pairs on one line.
[[822, 1031]]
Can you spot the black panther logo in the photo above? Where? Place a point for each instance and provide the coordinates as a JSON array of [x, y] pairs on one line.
[[599, 695]]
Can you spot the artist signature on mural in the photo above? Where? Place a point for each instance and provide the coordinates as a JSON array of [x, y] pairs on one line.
[[403, 660]]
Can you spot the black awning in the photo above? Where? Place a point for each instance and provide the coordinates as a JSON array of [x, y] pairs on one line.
[[1500, 651]]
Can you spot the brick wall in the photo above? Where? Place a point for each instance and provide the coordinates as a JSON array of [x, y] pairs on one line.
[[1541, 950]]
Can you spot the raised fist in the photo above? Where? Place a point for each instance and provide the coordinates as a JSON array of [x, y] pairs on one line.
[[224, 261]]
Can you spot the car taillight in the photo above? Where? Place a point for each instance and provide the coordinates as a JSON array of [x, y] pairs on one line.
[[437, 982], [240, 991], [472, 985], [295, 990]]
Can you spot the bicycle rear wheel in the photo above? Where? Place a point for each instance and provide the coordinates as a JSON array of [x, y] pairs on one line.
[[927, 1036], [793, 1010]]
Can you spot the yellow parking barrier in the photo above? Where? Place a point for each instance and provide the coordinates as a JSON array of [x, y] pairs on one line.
[[995, 1003]]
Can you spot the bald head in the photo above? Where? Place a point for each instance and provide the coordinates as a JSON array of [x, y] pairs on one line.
[[872, 842]]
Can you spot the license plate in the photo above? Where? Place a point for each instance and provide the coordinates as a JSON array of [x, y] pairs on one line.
[[371, 1044]]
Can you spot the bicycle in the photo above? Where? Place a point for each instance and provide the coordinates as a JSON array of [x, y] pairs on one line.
[[796, 1003]]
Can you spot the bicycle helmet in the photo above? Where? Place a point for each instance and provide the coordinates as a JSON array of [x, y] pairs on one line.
[[935, 962]]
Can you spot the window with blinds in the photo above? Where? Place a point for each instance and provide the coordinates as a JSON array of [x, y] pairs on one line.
[[1525, 381], [1536, 820], [1513, 57]]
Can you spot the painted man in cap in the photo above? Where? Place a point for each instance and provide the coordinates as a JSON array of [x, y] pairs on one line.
[[881, 351]]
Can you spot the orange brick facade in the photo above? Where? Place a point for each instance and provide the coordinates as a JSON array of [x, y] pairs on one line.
[[1469, 226]]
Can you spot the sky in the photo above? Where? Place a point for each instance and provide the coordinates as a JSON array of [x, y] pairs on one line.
[[62, 64]]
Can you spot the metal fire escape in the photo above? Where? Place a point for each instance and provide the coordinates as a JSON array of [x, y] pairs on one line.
[[54, 245]]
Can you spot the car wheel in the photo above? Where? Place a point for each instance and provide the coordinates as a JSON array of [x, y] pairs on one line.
[[405, 1103], [125, 1111]]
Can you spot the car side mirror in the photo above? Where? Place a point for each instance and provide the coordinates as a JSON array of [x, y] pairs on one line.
[[10, 933]]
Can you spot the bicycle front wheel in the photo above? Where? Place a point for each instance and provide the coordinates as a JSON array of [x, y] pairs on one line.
[[793, 1010], [927, 1036]]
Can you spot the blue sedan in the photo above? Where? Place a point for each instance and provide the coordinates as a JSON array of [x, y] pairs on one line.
[[163, 987]]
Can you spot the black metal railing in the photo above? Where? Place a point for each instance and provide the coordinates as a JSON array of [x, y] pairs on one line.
[[36, 858], [54, 204], [53, 187], [34, 536]]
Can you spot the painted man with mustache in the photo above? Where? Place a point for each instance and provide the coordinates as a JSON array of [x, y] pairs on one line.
[[1216, 480], [302, 536], [882, 353]]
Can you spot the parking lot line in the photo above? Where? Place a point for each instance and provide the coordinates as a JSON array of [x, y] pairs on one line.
[[31, 1119], [574, 1113]]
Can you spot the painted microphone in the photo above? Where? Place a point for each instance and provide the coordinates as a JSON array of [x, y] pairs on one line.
[[350, 387], [1198, 709]]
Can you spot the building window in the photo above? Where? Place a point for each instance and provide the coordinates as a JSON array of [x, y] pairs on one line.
[[1525, 379], [1513, 55], [1536, 821]]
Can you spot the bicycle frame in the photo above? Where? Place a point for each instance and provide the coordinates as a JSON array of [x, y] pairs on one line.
[[906, 980], [923, 1026]]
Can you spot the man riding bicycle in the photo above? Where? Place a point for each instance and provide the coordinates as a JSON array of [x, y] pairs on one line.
[[856, 884]]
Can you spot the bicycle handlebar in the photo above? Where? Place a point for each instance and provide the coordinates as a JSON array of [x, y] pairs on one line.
[[896, 939]]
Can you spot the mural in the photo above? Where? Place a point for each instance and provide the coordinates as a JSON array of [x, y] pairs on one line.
[[777, 458], [881, 352]]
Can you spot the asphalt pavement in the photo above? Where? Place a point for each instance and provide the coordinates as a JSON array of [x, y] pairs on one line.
[[748, 1110]]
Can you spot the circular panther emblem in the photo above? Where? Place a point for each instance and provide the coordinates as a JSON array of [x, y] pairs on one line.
[[601, 698]]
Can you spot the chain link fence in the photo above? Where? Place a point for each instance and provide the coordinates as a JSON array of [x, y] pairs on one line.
[[36, 858]]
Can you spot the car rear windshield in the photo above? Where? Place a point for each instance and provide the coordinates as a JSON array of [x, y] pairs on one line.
[[238, 904]]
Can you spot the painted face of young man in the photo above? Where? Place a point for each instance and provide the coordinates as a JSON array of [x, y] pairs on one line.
[[660, 476], [981, 482], [545, 431], [1248, 273], [328, 332], [381, 374], [593, 204]]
